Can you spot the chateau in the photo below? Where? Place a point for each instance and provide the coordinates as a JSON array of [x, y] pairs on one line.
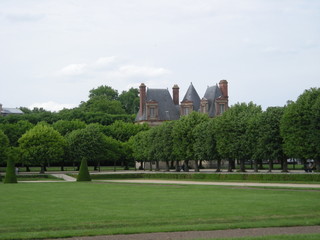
[[157, 105]]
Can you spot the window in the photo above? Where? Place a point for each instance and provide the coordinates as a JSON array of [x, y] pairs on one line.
[[152, 112], [186, 111], [221, 108]]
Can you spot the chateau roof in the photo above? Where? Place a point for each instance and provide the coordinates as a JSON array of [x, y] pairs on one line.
[[212, 93], [192, 95], [166, 108]]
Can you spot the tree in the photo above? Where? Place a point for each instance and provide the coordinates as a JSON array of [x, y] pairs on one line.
[[102, 104], [300, 127], [11, 170], [104, 91], [15, 130], [88, 143], [42, 145], [233, 140], [84, 174], [269, 145], [140, 147], [130, 100], [4, 144], [205, 143], [183, 137]]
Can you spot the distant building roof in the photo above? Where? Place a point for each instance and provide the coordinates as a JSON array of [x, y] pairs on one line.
[[192, 95], [6, 111], [212, 93]]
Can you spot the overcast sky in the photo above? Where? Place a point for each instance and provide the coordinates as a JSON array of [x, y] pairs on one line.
[[52, 52]]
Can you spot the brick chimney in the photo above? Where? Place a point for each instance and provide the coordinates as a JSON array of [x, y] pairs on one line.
[[223, 85], [142, 99], [175, 94], [0, 108]]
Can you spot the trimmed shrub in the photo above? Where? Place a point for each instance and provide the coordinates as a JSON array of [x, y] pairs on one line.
[[10, 172], [84, 174]]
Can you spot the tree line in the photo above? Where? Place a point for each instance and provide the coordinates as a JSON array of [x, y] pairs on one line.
[[243, 133]]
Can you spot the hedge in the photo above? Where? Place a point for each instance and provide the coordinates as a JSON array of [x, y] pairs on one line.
[[214, 177]]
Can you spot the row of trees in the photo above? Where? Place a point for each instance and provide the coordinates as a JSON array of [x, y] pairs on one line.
[[67, 142], [243, 133]]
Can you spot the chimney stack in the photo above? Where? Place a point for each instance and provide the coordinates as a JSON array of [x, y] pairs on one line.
[[142, 99], [223, 85], [175, 94], [0, 108]]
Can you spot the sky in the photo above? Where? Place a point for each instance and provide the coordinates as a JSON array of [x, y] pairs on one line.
[[53, 52]]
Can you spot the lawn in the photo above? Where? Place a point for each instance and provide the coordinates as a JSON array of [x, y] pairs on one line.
[[275, 237], [43, 210]]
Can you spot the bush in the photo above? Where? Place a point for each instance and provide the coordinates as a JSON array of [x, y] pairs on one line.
[[10, 172], [84, 174]]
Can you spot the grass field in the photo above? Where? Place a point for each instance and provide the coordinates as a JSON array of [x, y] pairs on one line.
[[43, 210]]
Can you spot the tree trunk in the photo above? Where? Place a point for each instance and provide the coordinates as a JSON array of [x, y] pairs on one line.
[[172, 165], [196, 169], [285, 165], [167, 166], [317, 163], [42, 169], [260, 164], [141, 165], [177, 166], [186, 167], [255, 166], [230, 165], [27, 168], [218, 165], [270, 165], [200, 165], [157, 166], [150, 166], [242, 166]]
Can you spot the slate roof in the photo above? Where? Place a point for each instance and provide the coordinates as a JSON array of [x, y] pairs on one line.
[[6, 111], [212, 93], [192, 95], [166, 108]]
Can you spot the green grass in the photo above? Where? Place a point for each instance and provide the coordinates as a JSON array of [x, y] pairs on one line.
[[273, 237], [47, 210], [36, 177]]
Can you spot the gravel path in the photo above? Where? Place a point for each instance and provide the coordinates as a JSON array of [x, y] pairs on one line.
[[252, 232]]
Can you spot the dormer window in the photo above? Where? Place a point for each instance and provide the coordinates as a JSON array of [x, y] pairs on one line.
[[152, 110]]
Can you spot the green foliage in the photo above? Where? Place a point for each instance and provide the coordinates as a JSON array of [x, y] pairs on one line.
[[102, 104], [130, 100], [183, 135], [232, 133], [64, 127], [104, 91], [84, 174], [300, 126], [91, 144], [15, 130], [123, 131], [42, 145], [10, 171]]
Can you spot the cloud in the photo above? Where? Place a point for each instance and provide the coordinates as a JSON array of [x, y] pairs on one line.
[[74, 69], [111, 68], [143, 71], [25, 17], [51, 106]]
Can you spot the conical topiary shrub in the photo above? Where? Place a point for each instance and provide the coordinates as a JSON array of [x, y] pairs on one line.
[[84, 174], [10, 172]]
